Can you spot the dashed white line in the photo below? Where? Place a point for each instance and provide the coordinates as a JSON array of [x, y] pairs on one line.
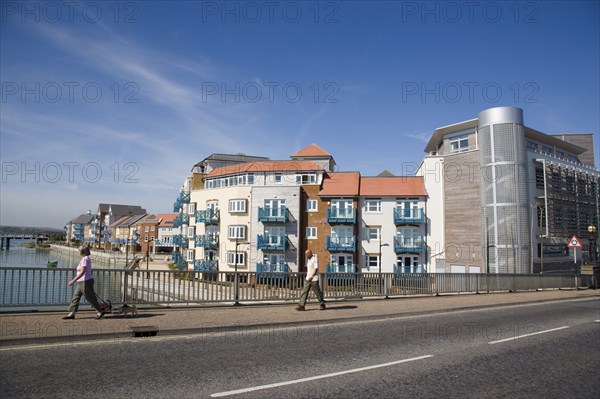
[[527, 335], [317, 377]]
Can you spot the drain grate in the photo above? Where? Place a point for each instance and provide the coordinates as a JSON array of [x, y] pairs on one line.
[[145, 331]]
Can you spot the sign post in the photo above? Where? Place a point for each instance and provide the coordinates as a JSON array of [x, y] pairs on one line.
[[575, 243]]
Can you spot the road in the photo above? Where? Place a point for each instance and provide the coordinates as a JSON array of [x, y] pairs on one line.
[[549, 350]]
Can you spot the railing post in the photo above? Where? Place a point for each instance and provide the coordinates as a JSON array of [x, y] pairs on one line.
[[125, 285], [386, 285], [236, 282]]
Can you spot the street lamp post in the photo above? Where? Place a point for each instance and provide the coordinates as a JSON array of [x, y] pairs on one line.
[[379, 261], [148, 257], [593, 255], [237, 277]]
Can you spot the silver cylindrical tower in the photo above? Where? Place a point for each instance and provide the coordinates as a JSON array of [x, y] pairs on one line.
[[501, 135]]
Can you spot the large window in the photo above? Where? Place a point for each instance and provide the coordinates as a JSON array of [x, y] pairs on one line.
[[459, 144], [311, 233], [374, 232], [372, 205], [237, 206], [190, 255], [192, 208], [373, 261], [237, 232], [312, 205], [235, 180], [306, 178], [231, 258]]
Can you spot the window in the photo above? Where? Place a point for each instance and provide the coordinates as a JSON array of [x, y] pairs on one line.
[[459, 144], [192, 208], [373, 261], [191, 231], [312, 205], [306, 178], [214, 205], [231, 258], [250, 178], [374, 233], [146, 228], [373, 206], [311, 233], [277, 178], [237, 206], [237, 232], [145, 238], [190, 255], [152, 228]]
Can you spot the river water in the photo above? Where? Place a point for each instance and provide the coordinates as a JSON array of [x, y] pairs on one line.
[[28, 283]]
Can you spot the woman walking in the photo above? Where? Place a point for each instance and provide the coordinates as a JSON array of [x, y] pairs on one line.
[[85, 285]]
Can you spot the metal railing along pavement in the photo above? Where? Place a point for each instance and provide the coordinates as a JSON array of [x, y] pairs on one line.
[[37, 287]]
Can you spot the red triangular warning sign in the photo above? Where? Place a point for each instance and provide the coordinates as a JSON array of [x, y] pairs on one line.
[[574, 242]]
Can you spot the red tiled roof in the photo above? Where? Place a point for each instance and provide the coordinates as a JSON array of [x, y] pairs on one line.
[[341, 184], [413, 186], [312, 150], [167, 219], [265, 166]]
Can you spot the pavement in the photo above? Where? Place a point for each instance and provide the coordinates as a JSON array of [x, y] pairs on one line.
[[44, 327]]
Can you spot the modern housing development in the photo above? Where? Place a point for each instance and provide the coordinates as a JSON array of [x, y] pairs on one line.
[[491, 195]]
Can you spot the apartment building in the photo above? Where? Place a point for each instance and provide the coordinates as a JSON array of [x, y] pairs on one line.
[[100, 234], [506, 198], [263, 215], [76, 228]]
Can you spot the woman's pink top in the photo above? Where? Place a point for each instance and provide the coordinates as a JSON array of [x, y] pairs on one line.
[[86, 264]]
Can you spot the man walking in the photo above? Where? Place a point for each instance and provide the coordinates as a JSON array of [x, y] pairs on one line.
[[312, 281]]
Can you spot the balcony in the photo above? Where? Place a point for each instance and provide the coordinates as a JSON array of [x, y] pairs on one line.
[[273, 215], [271, 243], [407, 269], [408, 245], [205, 265], [341, 244], [341, 215], [179, 261], [178, 240], [184, 198], [181, 219], [409, 216], [208, 216], [206, 240]]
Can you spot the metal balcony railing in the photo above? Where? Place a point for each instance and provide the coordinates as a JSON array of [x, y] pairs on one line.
[[273, 215], [408, 216], [271, 243], [408, 245], [341, 215], [341, 244], [206, 240], [208, 216]]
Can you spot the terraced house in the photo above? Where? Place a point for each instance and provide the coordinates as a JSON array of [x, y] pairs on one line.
[[262, 215]]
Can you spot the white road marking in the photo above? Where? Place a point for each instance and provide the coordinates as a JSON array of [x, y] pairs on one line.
[[596, 321], [317, 377], [527, 335]]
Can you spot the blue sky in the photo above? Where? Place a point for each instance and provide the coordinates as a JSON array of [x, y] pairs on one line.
[[116, 101]]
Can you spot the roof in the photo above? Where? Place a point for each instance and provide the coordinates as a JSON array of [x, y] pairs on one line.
[[554, 140], [413, 186], [341, 184], [118, 222], [132, 220], [234, 158], [118, 209], [312, 151], [440, 132], [386, 173], [166, 219], [84, 218], [265, 166]]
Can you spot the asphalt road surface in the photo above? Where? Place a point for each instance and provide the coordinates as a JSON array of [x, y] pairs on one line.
[[547, 350]]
